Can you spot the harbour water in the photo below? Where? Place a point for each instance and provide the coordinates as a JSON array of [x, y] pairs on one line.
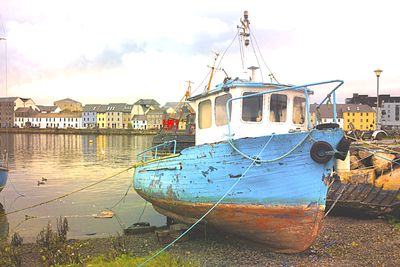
[[68, 163]]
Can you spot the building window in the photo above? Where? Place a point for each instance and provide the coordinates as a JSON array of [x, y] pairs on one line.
[[221, 116], [204, 114]]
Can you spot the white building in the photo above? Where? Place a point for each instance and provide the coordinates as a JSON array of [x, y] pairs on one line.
[[139, 122], [50, 120]]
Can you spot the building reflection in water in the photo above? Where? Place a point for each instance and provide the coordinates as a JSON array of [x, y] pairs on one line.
[[68, 163]]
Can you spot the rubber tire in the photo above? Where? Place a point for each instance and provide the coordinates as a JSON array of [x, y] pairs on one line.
[[343, 146], [318, 152]]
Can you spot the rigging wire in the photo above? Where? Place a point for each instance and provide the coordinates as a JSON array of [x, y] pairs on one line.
[[202, 82], [258, 62], [262, 58], [229, 46]]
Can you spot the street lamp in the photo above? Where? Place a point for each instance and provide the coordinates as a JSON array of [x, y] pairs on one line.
[[378, 74]]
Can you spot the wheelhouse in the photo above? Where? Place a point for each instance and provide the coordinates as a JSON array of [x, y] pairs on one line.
[[248, 109]]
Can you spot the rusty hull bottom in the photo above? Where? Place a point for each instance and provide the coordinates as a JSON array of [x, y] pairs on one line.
[[285, 229]]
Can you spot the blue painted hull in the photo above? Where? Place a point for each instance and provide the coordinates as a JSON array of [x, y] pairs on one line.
[[3, 177], [292, 188]]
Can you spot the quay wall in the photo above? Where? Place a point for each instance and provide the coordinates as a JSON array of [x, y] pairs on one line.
[[79, 131]]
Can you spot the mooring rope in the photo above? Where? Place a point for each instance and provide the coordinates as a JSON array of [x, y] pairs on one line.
[[72, 192], [123, 197], [370, 144], [144, 208], [253, 161], [230, 141]]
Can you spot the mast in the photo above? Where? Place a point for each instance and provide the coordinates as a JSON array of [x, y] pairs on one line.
[[212, 71], [244, 45]]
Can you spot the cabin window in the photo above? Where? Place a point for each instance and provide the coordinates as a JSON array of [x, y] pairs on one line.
[[221, 116], [205, 114], [252, 107], [278, 108], [299, 110]]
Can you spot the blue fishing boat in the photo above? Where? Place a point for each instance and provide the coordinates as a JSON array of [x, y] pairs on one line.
[[3, 171], [258, 169]]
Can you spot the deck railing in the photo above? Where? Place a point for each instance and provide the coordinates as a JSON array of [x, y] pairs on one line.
[[165, 149]]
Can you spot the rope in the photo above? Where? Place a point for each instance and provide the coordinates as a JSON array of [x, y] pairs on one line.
[[336, 200], [367, 143], [15, 189], [144, 208], [123, 197], [72, 192], [374, 153], [211, 209], [230, 141]]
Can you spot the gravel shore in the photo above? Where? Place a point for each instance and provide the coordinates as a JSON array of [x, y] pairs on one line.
[[343, 241]]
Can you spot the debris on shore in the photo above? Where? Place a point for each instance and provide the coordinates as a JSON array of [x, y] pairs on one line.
[[342, 241]]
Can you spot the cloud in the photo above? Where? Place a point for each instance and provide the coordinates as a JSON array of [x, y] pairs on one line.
[[87, 48]]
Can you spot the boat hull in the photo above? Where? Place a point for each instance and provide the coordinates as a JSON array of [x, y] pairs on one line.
[[279, 202], [285, 229], [3, 177]]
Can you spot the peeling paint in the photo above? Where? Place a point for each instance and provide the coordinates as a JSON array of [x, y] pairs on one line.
[[280, 204]]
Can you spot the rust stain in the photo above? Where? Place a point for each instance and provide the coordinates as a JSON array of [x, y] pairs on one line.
[[286, 229]]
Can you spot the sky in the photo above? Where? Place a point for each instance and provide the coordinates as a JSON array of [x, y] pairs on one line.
[[96, 51]]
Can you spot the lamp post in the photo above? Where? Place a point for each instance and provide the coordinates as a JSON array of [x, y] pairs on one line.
[[378, 74]]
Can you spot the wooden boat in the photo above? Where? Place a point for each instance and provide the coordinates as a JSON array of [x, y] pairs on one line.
[[258, 169]]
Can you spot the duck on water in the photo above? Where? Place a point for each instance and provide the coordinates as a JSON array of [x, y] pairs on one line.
[[258, 168]]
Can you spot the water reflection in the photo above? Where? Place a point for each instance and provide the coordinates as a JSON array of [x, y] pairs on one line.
[[67, 163]]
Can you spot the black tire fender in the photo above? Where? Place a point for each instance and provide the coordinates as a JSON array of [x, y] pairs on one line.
[[319, 151], [343, 147]]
